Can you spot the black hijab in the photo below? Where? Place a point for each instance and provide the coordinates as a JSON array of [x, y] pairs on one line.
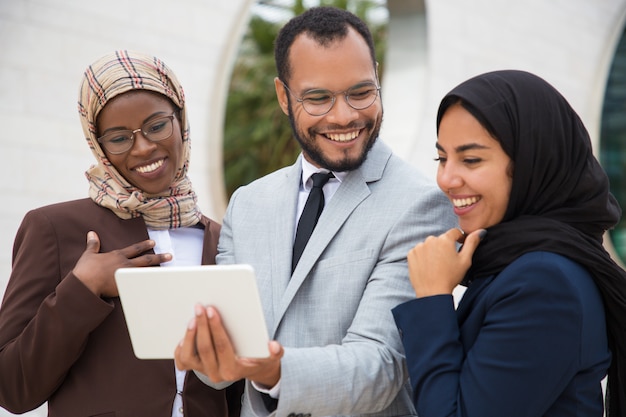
[[560, 200]]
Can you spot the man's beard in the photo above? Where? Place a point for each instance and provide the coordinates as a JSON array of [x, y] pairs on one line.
[[312, 150]]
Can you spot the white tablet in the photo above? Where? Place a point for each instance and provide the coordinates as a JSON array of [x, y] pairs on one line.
[[158, 303]]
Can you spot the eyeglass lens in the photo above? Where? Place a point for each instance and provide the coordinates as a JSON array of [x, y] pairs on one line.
[[319, 102], [120, 141]]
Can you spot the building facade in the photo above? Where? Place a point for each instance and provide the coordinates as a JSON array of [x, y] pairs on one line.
[[432, 46]]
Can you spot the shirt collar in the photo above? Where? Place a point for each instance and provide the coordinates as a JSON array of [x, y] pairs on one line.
[[308, 169]]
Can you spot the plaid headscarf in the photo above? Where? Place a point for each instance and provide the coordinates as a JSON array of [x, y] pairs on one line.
[[108, 77]]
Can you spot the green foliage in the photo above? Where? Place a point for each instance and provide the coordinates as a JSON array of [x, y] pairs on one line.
[[257, 134]]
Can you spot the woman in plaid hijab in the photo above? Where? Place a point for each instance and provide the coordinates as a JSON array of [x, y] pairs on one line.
[[104, 80], [63, 338]]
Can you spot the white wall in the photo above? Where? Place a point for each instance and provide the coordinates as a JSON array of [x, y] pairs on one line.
[[570, 43], [46, 44]]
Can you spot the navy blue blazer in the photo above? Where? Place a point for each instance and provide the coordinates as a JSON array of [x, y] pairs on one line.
[[530, 341]]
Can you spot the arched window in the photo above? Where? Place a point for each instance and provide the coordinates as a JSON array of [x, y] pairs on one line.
[[257, 135], [613, 139]]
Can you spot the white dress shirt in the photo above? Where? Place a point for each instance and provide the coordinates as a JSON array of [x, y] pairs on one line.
[[329, 189], [185, 245]]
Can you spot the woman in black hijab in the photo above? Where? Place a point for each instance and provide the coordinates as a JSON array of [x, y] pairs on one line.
[[543, 318]]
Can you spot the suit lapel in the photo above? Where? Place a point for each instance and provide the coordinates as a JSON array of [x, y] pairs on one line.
[[281, 229], [352, 191]]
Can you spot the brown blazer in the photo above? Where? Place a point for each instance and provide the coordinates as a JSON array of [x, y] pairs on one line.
[[62, 344]]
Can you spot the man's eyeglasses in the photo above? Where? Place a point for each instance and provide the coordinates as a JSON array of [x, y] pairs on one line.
[[320, 102], [120, 141]]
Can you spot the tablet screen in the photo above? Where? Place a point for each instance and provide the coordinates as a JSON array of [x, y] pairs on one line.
[[158, 303]]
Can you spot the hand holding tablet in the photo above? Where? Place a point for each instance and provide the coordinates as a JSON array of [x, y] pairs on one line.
[[158, 303], [208, 349]]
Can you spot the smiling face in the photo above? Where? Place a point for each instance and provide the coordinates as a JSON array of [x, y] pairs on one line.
[[149, 166], [473, 170], [340, 139]]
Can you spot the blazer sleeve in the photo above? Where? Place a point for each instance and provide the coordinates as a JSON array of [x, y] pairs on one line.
[[539, 329], [45, 318]]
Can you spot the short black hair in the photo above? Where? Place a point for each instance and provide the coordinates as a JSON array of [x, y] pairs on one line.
[[325, 24]]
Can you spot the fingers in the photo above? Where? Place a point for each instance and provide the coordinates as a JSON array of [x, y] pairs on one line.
[[215, 355], [204, 345], [456, 234], [150, 259], [185, 355], [447, 239], [265, 371], [133, 251], [207, 348], [471, 243], [435, 267], [93, 242], [222, 351], [138, 248], [136, 253], [276, 349], [195, 351]]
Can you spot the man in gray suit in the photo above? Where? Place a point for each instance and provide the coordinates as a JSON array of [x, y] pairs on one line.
[[336, 349]]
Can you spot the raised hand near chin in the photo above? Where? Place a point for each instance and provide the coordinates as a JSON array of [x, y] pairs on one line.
[[435, 266], [96, 270]]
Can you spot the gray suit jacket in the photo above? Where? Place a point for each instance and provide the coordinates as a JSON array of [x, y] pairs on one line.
[[343, 354]]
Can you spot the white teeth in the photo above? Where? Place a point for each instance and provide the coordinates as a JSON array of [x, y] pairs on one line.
[[464, 202], [149, 168], [343, 137]]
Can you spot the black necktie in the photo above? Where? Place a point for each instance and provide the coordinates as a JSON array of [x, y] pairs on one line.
[[312, 210]]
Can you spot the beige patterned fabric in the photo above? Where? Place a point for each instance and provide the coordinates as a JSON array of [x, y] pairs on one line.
[[112, 75]]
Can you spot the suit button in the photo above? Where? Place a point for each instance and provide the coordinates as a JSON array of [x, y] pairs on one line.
[[292, 415]]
